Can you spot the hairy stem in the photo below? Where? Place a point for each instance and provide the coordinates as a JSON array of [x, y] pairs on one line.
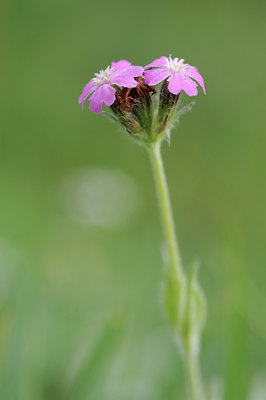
[[193, 375], [166, 211], [188, 350]]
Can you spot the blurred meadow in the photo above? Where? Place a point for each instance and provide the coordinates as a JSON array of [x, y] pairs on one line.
[[80, 234]]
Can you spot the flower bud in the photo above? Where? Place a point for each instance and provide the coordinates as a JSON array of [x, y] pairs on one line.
[[126, 119], [167, 104]]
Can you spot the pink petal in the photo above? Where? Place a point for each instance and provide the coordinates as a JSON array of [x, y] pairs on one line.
[[154, 76], [189, 86], [122, 64], [159, 62], [125, 77], [125, 81], [96, 101], [108, 94], [175, 84], [192, 72], [180, 82], [88, 89], [134, 71]]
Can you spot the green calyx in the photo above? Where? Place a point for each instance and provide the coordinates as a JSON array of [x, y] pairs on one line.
[[149, 118]]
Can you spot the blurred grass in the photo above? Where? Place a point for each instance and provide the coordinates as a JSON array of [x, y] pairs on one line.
[[60, 282]]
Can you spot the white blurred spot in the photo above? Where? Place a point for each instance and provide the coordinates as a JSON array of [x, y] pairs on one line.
[[215, 389], [100, 197], [258, 387]]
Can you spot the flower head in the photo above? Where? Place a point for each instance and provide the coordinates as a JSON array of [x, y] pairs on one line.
[[177, 74], [121, 73]]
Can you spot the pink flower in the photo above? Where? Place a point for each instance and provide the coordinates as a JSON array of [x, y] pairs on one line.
[[121, 73], [177, 73]]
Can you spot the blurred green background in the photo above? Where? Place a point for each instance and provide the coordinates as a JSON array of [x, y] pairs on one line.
[[80, 235]]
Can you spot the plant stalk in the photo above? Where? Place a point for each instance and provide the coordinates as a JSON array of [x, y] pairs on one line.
[[166, 210], [196, 391], [190, 355]]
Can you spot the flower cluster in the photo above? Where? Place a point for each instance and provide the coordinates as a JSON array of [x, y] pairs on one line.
[[127, 90]]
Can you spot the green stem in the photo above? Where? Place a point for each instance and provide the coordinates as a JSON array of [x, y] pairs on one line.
[[190, 353], [166, 211], [193, 375]]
